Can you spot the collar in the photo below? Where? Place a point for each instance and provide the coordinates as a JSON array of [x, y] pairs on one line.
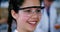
[[15, 30]]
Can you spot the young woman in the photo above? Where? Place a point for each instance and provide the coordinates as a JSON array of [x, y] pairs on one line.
[[26, 13]]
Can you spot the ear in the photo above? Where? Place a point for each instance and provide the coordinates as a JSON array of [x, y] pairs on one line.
[[14, 14]]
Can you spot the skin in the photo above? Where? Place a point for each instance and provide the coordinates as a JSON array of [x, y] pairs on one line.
[[47, 3], [23, 19], [57, 26]]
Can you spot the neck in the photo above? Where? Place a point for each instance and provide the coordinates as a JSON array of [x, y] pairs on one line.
[[22, 30]]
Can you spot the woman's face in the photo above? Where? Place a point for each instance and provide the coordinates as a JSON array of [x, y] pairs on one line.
[[28, 18]]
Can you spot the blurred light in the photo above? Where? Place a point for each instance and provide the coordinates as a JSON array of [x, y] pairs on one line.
[[4, 4]]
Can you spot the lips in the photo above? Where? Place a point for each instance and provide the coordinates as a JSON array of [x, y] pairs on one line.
[[33, 23]]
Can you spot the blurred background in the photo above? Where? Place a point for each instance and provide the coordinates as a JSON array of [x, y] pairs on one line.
[[4, 14]]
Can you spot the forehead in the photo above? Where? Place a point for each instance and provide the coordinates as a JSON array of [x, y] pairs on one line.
[[28, 3]]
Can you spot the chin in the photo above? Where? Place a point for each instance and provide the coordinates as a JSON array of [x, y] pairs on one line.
[[31, 29]]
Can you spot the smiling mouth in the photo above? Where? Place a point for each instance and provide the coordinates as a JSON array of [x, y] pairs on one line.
[[32, 23]]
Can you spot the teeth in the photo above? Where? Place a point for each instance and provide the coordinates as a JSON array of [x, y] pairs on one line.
[[32, 22]]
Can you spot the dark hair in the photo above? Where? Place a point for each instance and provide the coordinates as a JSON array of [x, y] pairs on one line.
[[14, 5]]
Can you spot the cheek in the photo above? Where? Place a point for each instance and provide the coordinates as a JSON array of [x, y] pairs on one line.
[[40, 17], [22, 18]]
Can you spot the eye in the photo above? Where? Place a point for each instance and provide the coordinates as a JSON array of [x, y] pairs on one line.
[[27, 11], [38, 11]]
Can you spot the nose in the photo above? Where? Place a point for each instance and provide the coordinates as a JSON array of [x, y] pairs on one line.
[[34, 15]]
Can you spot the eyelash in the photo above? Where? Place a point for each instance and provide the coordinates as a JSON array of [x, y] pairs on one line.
[[27, 11], [30, 11]]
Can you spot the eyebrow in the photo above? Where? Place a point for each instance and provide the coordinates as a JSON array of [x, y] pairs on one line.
[[32, 7]]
